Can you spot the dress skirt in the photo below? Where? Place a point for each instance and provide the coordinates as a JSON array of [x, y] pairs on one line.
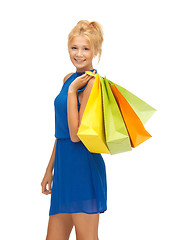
[[79, 180]]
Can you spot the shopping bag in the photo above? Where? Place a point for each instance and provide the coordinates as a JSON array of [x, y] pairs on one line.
[[91, 131], [134, 125], [143, 110], [117, 137]]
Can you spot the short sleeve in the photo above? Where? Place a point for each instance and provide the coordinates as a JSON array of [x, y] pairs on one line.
[[79, 90]]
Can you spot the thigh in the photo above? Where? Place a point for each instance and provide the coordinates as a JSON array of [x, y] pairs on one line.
[[86, 225], [59, 226]]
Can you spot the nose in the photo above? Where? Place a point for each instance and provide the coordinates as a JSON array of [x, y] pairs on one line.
[[79, 53]]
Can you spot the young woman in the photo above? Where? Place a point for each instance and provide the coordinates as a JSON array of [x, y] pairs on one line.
[[79, 186]]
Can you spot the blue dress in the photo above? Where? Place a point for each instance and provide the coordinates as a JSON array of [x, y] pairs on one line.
[[79, 178]]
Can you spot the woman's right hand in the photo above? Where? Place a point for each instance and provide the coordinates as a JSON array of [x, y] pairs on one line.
[[47, 180], [80, 81]]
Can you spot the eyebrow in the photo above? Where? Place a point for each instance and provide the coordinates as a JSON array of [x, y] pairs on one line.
[[82, 46]]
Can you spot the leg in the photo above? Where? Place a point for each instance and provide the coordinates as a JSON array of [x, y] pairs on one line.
[[86, 226], [59, 226]]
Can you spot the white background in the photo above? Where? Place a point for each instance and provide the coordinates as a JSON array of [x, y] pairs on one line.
[[143, 51]]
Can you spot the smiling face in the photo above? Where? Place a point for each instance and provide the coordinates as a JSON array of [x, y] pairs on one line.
[[81, 53]]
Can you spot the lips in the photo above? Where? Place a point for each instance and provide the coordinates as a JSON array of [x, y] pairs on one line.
[[79, 60]]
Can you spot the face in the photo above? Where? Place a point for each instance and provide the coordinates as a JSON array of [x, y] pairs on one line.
[[81, 53]]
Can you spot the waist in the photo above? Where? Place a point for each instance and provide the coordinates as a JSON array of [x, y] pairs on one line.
[[64, 138]]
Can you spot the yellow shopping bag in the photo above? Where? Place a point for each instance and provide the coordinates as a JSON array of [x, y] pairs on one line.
[[91, 131]]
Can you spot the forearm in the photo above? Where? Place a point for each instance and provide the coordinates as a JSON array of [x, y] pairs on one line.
[[52, 158], [73, 115]]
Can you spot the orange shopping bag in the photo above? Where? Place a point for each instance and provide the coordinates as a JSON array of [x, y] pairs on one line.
[[135, 127]]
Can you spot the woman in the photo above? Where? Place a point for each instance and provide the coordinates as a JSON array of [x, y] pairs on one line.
[[79, 189]]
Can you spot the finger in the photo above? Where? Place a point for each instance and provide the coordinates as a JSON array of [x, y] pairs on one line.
[[82, 76], [50, 187], [88, 76], [44, 189]]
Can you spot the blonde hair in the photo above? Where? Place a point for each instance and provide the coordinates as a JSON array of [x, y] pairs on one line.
[[93, 31]]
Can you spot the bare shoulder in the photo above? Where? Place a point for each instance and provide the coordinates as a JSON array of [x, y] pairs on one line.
[[84, 95], [89, 85], [67, 76]]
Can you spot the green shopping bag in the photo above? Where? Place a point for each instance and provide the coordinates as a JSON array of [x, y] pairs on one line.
[[143, 110], [117, 137]]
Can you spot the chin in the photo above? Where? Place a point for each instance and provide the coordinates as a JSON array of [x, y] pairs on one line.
[[81, 66]]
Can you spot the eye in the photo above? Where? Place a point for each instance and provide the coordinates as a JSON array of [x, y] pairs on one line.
[[86, 48], [73, 47]]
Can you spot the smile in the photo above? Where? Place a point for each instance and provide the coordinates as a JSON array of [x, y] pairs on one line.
[[79, 60]]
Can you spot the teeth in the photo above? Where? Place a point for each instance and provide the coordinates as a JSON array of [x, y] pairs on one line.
[[79, 60]]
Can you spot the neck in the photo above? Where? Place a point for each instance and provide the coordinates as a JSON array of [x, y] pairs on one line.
[[84, 69]]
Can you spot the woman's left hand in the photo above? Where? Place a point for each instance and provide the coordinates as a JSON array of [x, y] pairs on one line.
[[80, 82]]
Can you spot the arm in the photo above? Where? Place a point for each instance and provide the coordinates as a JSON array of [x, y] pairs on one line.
[[75, 117], [47, 179], [52, 159]]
